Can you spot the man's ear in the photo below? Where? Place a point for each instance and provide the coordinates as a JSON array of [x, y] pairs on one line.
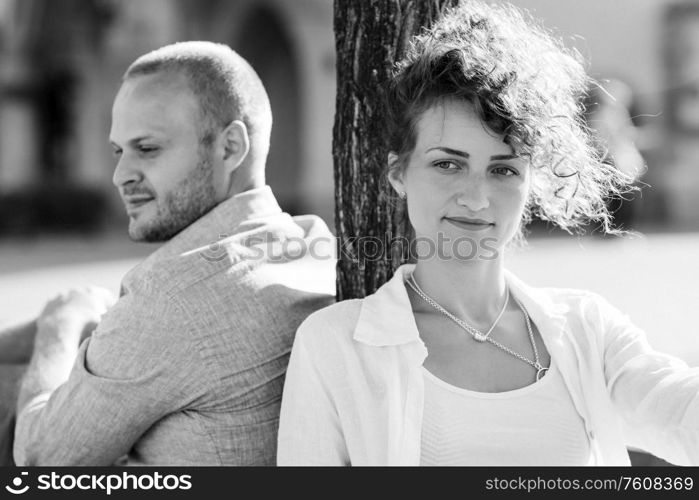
[[395, 173], [236, 144]]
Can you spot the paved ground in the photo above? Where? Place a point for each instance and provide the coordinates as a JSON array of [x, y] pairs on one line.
[[655, 279]]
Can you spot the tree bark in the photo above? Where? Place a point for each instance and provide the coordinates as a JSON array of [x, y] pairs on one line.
[[373, 233]]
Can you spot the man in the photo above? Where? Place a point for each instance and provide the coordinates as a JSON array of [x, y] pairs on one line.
[[187, 367]]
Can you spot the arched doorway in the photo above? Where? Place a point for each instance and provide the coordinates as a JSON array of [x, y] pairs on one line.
[[265, 43]]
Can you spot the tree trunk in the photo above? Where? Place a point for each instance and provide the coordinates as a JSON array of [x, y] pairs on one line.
[[373, 233]]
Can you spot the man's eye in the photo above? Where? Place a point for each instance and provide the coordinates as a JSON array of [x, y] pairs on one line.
[[147, 149], [116, 153]]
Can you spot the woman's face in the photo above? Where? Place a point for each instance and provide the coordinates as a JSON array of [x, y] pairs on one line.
[[465, 186]]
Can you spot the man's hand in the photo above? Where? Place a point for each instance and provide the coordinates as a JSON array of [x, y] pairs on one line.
[[72, 316]]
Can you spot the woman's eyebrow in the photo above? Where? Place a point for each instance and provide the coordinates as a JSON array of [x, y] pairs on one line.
[[504, 157], [450, 151]]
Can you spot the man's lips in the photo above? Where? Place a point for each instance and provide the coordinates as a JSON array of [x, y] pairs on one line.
[[136, 201], [467, 223]]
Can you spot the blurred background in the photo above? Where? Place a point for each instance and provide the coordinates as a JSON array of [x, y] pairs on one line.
[[62, 224]]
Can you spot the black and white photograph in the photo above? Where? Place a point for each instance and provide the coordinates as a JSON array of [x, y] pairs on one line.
[[451, 233]]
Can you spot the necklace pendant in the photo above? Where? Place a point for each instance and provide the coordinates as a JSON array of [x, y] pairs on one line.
[[480, 337], [540, 372]]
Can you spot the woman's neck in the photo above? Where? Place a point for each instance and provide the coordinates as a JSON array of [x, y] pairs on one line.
[[472, 290]]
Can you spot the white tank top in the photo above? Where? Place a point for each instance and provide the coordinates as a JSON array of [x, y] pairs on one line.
[[535, 425]]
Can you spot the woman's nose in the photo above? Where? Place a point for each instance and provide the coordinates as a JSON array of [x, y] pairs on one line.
[[473, 194]]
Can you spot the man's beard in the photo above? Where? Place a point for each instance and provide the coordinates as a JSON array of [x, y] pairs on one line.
[[187, 202]]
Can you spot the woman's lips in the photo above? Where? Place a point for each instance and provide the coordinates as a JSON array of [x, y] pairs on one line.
[[470, 224]]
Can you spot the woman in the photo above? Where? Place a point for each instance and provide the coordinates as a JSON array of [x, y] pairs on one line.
[[455, 361]]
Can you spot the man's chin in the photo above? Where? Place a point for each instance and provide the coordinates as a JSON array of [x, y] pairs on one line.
[[163, 225], [140, 234], [152, 233]]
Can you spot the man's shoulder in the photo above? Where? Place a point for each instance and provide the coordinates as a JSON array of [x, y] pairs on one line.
[[265, 278], [278, 239]]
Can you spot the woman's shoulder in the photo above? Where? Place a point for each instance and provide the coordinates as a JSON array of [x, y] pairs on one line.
[[572, 300], [585, 305], [549, 294], [575, 296], [563, 295], [333, 323]]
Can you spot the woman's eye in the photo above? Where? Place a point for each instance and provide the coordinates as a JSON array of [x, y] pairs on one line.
[[504, 170], [147, 149], [446, 165]]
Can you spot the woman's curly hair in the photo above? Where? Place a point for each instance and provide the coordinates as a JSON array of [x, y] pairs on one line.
[[525, 85]]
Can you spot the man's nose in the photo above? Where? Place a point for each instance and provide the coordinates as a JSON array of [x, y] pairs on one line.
[[473, 193], [125, 172]]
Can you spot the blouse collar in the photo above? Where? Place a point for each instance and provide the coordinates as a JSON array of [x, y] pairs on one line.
[[386, 317]]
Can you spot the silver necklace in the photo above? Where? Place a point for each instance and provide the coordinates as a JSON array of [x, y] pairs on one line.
[[481, 337], [475, 333]]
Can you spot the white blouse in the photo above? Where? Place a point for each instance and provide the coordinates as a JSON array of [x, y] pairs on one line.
[[534, 425], [354, 388]]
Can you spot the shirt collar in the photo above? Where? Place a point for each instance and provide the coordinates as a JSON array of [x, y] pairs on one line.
[[386, 316], [545, 312], [223, 220]]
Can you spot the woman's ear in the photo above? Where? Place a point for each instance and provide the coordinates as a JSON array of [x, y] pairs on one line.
[[395, 174]]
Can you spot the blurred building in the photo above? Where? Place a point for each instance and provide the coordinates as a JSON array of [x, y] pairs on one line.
[[60, 67], [61, 61], [653, 46]]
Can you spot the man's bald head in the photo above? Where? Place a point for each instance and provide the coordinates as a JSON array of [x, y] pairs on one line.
[[226, 86]]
